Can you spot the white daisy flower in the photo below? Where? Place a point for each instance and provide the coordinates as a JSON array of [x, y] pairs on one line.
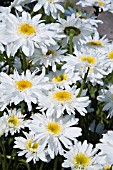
[[14, 121], [54, 132], [27, 33], [96, 42], [87, 58], [53, 56], [83, 157], [50, 6], [104, 4], [59, 100], [106, 96], [25, 87], [109, 57], [29, 148], [62, 79], [106, 146], [18, 4], [72, 23]]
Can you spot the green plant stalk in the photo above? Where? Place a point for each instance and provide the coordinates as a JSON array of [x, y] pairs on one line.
[[41, 166], [55, 163], [37, 167], [4, 162], [22, 107], [10, 64], [24, 64], [71, 35], [25, 163], [32, 13], [83, 82]]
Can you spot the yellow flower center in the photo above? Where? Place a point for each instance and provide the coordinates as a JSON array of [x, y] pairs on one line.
[[26, 29], [54, 128], [62, 96], [60, 78], [110, 54], [91, 60], [23, 84], [13, 120], [81, 160], [100, 3], [107, 167], [96, 43], [32, 146]]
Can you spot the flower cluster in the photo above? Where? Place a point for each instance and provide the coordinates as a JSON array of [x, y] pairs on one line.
[[56, 86]]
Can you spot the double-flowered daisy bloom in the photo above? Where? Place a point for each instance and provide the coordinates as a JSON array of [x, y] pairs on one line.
[[87, 58], [108, 53], [18, 4], [25, 87], [58, 100], [53, 132], [106, 96], [86, 17], [14, 121], [50, 6], [75, 25], [83, 157], [96, 42], [29, 148], [62, 79], [106, 146], [26, 33], [52, 57], [104, 4]]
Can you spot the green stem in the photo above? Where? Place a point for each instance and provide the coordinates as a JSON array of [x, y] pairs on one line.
[[41, 166], [71, 43], [83, 83], [32, 13], [22, 107], [10, 64], [24, 63], [4, 162], [25, 163], [55, 163], [37, 167]]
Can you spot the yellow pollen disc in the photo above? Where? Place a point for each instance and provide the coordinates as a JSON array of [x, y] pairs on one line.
[[62, 96], [96, 43], [60, 78], [26, 29], [23, 84], [91, 60], [110, 54], [54, 128], [100, 3], [81, 160], [13, 120], [107, 167], [32, 146]]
